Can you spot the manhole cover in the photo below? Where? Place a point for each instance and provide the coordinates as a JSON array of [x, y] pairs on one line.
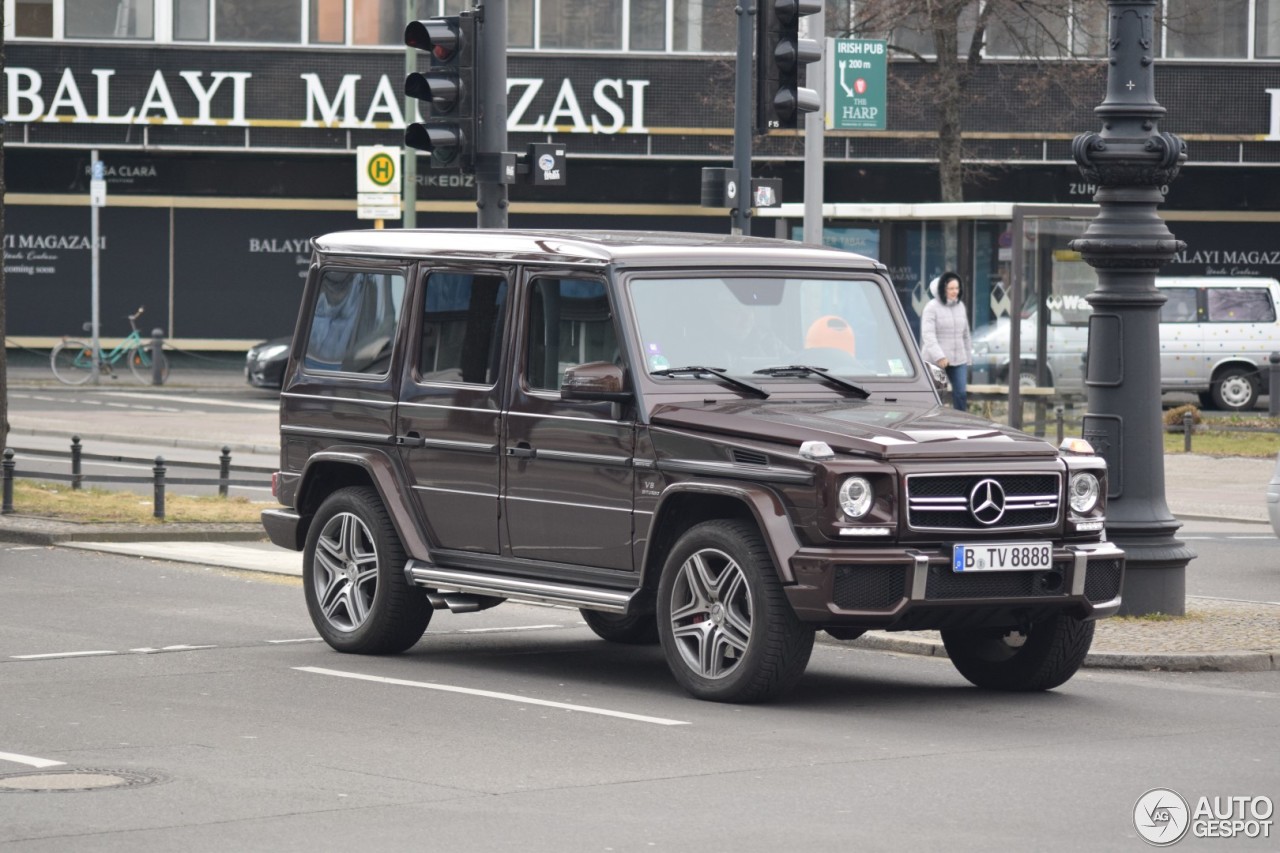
[[72, 780]]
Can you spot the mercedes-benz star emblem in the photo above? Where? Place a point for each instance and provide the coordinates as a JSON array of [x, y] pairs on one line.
[[986, 502]]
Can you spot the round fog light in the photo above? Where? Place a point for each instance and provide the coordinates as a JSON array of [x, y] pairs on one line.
[[856, 497], [1083, 496]]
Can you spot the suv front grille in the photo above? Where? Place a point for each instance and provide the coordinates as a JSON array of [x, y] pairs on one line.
[[943, 501]]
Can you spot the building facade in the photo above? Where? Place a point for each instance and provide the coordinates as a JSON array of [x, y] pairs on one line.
[[228, 131]]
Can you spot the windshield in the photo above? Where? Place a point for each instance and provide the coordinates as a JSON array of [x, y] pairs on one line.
[[743, 325]]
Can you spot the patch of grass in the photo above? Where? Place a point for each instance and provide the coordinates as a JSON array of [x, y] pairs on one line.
[[1160, 617], [1213, 442], [51, 500]]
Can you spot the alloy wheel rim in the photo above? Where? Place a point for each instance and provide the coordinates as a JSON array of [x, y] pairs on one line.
[[345, 571], [711, 613]]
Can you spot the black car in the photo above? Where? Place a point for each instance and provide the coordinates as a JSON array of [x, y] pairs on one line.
[[264, 363]]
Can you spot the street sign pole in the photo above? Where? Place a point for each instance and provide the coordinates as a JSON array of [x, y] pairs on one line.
[[741, 194], [410, 187], [491, 189], [97, 195], [814, 137]]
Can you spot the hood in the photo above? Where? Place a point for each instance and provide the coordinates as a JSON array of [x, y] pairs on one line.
[[878, 429]]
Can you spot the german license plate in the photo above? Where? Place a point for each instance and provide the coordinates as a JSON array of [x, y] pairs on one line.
[[1002, 557]]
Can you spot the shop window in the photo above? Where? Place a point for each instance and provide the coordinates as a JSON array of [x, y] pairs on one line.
[[913, 33], [327, 22], [1027, 32], [1199, 30], [1267, 29], [108, 19], [520, 23], [1089, 28], [649, 24], [33, 19], [462, 328], [581, 24], [191, 20], [704, 25], [258, 20]]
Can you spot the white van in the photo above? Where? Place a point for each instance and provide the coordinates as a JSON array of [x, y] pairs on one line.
[[1216, 334]]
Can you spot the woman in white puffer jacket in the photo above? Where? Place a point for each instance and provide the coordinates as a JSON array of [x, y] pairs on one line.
[[944, 336]]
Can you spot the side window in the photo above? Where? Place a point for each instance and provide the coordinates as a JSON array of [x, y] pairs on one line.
[[1181, 307], [462, 328], [570, 323], [1240, 305], [353, 323]]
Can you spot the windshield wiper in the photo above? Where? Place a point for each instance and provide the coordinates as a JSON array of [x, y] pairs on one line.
[[696, 370], [821, 372]]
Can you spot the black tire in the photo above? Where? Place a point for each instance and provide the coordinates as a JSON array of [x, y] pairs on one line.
[[727, 630], [633, 629], [1206, 399], [353, 578], [1235, 389], [140, 366], [1050, 653], [72, 362]]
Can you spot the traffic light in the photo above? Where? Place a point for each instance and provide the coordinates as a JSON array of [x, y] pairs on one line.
[[780, 54], [448, 89]]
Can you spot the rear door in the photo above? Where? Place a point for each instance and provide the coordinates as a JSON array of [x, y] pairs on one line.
[[568, 488], [451, 402]]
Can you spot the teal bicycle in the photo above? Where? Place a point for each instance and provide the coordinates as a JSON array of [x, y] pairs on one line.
[[73, 362]]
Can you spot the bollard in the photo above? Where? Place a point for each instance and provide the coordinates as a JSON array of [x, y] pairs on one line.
[[1273, 386], [1187, 419], [159, 471], [157, 356], [1059, 415], [6, 503], [77, 475], [224, 471]]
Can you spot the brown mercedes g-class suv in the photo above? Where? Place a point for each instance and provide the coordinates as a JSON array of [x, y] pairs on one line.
[[720, 444]]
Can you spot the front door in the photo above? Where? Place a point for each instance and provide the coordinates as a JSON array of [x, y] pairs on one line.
[[568, 488]]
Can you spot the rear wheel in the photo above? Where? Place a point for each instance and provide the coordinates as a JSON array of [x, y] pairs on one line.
[[140, 365], [72, 362], [727, 630], [1235, 389], [353, 577], [633, 629], [1047, 655]]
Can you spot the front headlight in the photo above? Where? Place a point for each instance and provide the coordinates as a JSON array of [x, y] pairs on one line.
[[856, 497], [1083, 493]]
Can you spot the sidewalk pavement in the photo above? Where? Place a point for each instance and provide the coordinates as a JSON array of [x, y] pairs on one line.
[[1216, 634]]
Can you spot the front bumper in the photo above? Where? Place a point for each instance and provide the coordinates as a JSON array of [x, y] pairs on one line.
[[915, 589]]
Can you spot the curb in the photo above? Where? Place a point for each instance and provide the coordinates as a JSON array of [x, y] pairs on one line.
[[54, 533], [185, 443], [1263, 661]]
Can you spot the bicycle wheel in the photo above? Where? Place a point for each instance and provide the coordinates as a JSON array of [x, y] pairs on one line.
[[72, 362], [140, 364]]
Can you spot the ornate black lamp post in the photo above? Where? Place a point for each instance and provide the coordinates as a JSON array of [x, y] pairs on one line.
[[1131, 162]]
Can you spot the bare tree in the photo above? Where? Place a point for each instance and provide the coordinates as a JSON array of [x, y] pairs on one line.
[[1059, 42]]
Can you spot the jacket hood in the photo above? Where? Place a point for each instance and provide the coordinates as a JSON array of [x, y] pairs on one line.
[[878, 429]]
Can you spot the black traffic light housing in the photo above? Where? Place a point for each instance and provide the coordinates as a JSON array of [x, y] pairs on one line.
[[448, 90], [780, 55]]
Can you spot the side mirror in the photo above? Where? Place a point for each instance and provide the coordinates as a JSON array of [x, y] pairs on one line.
[[595, 380]]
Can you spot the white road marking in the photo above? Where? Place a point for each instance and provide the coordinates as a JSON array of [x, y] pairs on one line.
[[204, 401], [489, 694], [183, 648], [63, 655], [26, 548], [299, 640], [30, 760]]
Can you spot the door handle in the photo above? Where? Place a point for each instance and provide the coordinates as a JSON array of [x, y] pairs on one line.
[[410, 439], [522, 450]]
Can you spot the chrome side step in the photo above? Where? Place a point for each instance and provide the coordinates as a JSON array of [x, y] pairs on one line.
[[446, 581]]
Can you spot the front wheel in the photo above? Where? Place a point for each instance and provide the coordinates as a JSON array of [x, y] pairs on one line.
[[140, 366], [1044, 657], [727, 630], [72, 362], [1235, 389], [353, 577]]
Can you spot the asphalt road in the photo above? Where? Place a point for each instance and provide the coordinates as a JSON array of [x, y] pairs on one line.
[[517, 729]]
